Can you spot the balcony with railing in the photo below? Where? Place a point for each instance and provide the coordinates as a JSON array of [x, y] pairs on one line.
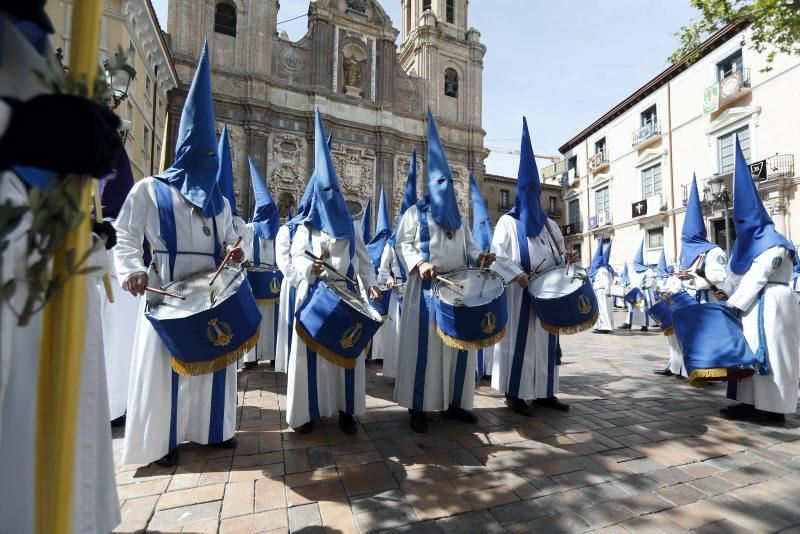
[[648, 133], [727, 90], [598, 162], [554, 213], [777, 167]]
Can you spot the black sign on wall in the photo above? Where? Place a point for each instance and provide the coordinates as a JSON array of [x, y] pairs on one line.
[[639, 208], [759, 170]]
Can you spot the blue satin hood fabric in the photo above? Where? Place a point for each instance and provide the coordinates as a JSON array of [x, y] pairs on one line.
[[303, 208], [607, 259], [115, 186], [481, 222], [527, 204], [662, 268], [265, 217], [194, 172], [597, 259], [225, 172], [328, 211], [694, 237], [409, 195], [755, 230], [624, 278], [638, 260], [383, 231], [441, 191], [366, 222]]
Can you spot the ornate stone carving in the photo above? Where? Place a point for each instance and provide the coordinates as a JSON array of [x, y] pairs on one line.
[[461, 185], [289, 169], [355, 167], [402, 164], [287, 147], [291, 60], [359, 6]]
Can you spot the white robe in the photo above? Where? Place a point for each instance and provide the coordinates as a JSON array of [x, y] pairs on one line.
[[119, 320], [431, 376], [605, 312], [387, 349], [646, 281], [529, 370], [286, 308], [770, 272], [164, 408], [316, 387], [675, 364], [265, 348], [716, 268], [95, 506]]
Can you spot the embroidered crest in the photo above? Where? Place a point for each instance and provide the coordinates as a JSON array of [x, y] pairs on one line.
[[219, 332], [584, 305], [351, 336], [721, 260], [777, 262], [489, 323], [275, 286]]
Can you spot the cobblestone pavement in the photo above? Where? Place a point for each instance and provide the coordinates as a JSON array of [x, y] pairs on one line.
[[636, 453]]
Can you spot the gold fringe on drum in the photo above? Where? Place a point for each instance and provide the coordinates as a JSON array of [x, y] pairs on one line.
[[669, 331], [470, 345], [335, 359], [221, 362], [701, 377], [264, 302], [567, 330]]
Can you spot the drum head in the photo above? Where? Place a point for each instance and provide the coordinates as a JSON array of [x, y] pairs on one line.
[[479, 287], [556, 282], [199, 295], [262, 269], [354, 300]]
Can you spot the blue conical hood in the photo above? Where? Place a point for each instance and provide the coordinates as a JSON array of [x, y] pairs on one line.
[[266, 219], [624, 278], [662, 268], [607, 259], [638, 260], [225, 173], [383, 231], [303, 208], [755, 230], [527, 204], [481, 222], [194, 171], [366, 222], [597, 259], [694, 237], [441, 191], [328, 211]]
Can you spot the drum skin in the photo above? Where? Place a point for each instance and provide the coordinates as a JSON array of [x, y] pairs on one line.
[[382, 306], [333, 328], [662, 310], [266, 284], [570, 313], [471, 327], [713, 344], [212, 339]]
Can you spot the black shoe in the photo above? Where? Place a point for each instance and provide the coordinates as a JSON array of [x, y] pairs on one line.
[[347, 423], [419, 422], [227, 444], [249, 366], [625, 326], [554, 403], [119, 421], [680, 376], [772, 417], [519, 406], [169, 460], [737, 409], [645, 329], [663, 372], [454, 412], [307, 428]]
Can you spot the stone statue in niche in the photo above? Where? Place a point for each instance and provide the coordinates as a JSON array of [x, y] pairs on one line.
[[359, 6], [352, 76]]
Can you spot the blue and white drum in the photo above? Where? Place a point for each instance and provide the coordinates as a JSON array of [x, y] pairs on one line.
[[336, 323], [215, 326], [471, 311], [662, 310], [564, 300], [266, 282], [635, 297]]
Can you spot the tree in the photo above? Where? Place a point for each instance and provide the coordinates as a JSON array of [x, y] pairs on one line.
[[775, 26]]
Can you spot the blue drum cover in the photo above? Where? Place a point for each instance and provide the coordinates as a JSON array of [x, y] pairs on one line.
[[634, 296], [266, 285], [662, 310], [382, 306], [472, 327], [568, 314]]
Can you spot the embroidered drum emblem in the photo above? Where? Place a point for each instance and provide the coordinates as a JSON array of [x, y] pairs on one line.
[[488, 323], [351, 336], [219, 332], [275, 286], [584, 305]]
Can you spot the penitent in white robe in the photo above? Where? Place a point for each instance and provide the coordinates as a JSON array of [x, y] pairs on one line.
[[672, 285], [431, 375], [390, 271], [286, 307], [646, 281], [316, 387], [526, 368], [768, 279], [716, 270], [265, 348], [164, 408], [605, 312]]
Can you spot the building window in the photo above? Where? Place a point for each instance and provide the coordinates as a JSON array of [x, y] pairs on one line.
[[655, 238], [600, 146], [146, 141], [225, 19], [729, 65], [504, 198], [727, 149], [158, 153], [451, 12], [552, 204], [602, 207], [649, 116], [451, 83], [426, 5], [651, 181], [574, 215], [572, 165]]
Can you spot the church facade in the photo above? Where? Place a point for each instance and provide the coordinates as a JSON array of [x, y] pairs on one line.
[[373, 96]]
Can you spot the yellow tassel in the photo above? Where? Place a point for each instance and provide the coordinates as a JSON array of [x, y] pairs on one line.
[[669, 331], [567, 330], [221, 362], [470, 345], [266, 302], [700, 377], [334, 358]]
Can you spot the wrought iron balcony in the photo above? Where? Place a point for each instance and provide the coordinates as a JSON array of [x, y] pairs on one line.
[[777, 167], [650, 130], [554, 214], [598, 161]]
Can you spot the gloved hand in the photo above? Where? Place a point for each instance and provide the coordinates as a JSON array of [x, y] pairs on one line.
[[61, 133]]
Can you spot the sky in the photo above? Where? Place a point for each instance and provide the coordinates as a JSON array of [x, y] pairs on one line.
[[560, 63]]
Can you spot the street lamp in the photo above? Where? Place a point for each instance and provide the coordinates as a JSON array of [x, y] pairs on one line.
[[119, 76], [717, 194]]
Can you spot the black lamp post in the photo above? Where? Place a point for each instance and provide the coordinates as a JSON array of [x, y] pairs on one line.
[[119, 77], [717, 194]]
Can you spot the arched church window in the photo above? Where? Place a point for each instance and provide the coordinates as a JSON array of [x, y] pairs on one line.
[[225, 19], [426, 5], [451, 11], [451, 83]]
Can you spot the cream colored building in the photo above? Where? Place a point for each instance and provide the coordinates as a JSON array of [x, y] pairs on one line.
[[131, 24], [628, 173]]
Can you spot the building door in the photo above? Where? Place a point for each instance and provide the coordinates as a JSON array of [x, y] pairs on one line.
[[719, 233]]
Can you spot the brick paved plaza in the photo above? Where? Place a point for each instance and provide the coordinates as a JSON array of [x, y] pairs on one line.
[[635, 453]]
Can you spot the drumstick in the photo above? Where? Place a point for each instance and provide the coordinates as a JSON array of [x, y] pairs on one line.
[[483, 262], [329, 267], [449, 282], [225, 260], [702, 274], [165, 293]]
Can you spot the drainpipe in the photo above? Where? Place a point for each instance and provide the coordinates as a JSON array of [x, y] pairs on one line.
[[153, 121], [671, 172]]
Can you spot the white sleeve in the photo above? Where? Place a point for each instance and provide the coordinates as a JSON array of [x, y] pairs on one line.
[[756, 277], [366, 270], [473, 252], [130, 226], [716, 266], [283, 251], [248, 242], [302, 264], [502, 244], [385, 269], [406, 239]]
